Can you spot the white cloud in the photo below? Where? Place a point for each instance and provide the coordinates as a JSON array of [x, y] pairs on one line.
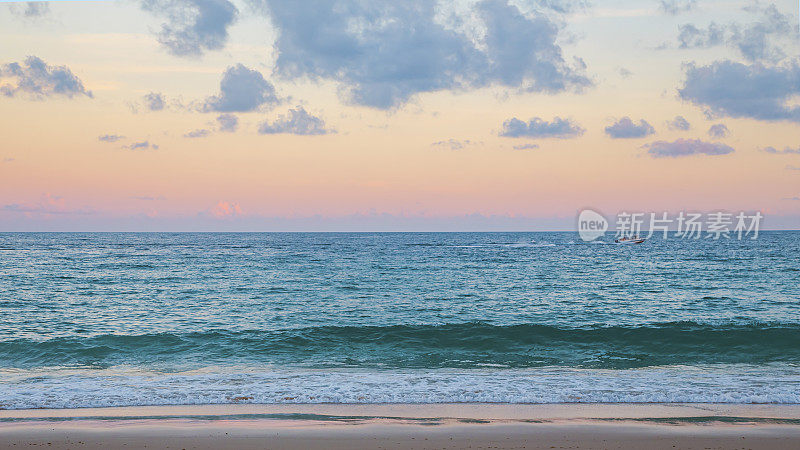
[[384, 52], [193, 26], [297, 121], [625, 128], [686, 147], [241, 90], [37, 79], [727, 88], [540, 128]]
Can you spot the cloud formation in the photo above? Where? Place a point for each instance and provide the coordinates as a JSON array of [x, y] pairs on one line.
[[690, 36], [241, 90], [200, 133], [227, 123], [719, 130], [539, 128], [785, 151], [679, 123], [675, 7], [758, 41], [48, 204], [110, 138], [226, 210], [142, 145], [384, 52], [453, 144], [727, 88], [193, 26], [30, 10], [154, 101], [686, 147], [625, 128], [297, 121], [526, 147], [38, 80], [761, 40]]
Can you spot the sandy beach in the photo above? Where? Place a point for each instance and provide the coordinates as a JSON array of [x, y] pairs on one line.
[[332, 426]]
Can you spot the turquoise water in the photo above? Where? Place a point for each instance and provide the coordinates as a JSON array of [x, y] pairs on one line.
[[102, 319]]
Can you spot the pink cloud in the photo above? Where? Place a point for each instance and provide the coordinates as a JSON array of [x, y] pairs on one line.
[[225, 209], [48, 204]]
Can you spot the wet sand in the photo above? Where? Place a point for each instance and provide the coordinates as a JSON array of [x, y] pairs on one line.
[[328, 426]]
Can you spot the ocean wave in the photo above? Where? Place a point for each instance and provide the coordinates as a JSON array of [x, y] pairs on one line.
[[462, 345], [680, 384]]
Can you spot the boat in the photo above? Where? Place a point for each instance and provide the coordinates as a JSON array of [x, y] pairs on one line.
[[629, 240]]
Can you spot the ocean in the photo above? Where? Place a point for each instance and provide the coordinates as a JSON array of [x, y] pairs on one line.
[[121, 319]]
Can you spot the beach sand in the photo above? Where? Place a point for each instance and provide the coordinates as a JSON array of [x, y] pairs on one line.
[[329, 426]]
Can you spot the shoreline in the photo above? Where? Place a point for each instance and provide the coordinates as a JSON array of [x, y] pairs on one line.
[[451, 425], [487, 411]]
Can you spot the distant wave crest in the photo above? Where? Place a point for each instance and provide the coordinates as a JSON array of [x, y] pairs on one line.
[[462, 345]]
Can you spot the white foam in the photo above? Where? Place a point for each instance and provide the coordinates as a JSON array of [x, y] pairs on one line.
[[70, 388]]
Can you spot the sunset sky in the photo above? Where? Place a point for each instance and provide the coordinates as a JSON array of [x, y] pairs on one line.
[[384, 115]]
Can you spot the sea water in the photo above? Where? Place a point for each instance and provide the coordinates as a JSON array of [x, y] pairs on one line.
[[113, 319]]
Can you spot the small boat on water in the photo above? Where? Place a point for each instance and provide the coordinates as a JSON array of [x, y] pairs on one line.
[[629, 240]]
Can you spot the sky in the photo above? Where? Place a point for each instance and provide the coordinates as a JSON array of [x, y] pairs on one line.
[[278, 115]]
